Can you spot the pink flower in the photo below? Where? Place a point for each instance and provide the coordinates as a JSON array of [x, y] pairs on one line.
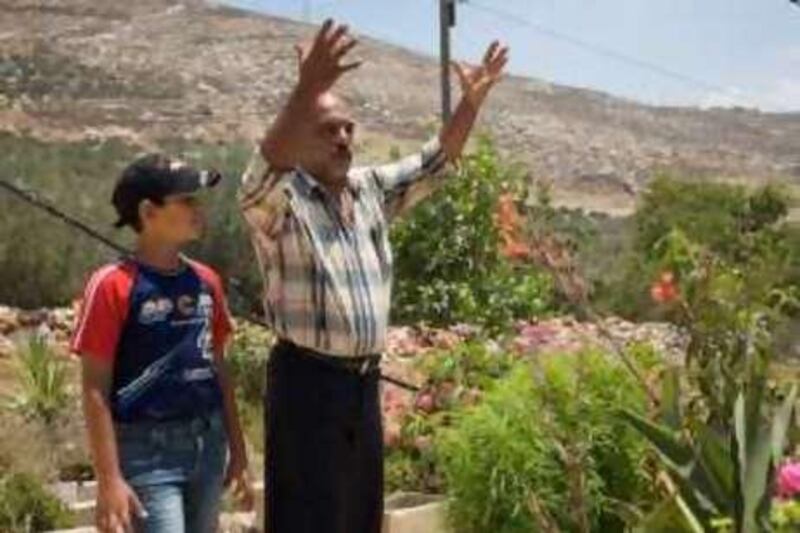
[[472, 396], [788, 480], [425, 402], [391, 436], [423, 443]]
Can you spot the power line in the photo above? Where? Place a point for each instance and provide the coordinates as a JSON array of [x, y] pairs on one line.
[[599, 49]]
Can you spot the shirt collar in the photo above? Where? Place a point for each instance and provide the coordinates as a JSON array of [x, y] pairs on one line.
[[311, 185]]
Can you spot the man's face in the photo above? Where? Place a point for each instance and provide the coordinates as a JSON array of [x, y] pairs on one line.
[[177, 220], [329, 151]]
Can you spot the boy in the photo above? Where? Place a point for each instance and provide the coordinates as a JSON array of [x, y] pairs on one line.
[[159, 406]]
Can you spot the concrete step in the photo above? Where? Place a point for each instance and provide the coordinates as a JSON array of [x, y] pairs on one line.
[[404, 512]]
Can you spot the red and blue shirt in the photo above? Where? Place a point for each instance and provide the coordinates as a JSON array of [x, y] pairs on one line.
[[160, 332]]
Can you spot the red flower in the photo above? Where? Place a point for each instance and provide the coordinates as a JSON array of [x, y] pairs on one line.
[[665, 290], [508, 222], [514, 249]]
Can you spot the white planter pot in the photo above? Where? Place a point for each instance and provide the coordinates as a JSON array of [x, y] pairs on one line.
[[410, 512], [404, 512]]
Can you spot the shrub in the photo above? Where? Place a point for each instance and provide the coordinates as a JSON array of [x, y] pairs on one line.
[[718, 263], [45, 263], [25, 506], [547, 450], [448, 264], [247, 362], [745, 229], [456, 378], [43, 375], [786, 516]]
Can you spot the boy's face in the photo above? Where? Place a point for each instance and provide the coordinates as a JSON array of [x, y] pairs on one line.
[[178, 220]]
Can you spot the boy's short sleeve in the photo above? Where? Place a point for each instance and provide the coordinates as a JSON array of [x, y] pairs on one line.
[[102, 314], [222, 325], [221, 319]]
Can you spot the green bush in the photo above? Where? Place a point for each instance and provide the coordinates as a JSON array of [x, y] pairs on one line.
[[43, 376], [786, 516], [247, 363], [548, 450], [46, 263], [456, 378], [746, 229], [448, 265], [729, 219], [25, 507]]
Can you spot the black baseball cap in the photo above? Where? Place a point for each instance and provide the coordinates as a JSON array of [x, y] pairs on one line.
[[154, 177]]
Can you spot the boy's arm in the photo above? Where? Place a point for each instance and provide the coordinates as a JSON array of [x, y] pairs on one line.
[[222, 327], [96, 377], [116, 501], [236, 474], [320, 65], [95, 339]]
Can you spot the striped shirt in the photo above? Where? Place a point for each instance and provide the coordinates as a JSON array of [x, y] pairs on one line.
[[327, 283]]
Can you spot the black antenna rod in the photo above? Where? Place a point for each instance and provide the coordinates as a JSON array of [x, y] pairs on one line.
[[30, 197]]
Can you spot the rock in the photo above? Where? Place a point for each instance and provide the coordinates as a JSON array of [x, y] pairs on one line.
[[31, 319], [7, 347], [567, 334], [9, 321]]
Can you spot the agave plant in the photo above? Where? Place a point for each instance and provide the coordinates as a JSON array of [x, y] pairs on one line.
[[44, 378], [718, 473]]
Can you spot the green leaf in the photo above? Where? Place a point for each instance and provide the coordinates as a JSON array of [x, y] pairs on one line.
[[715, 470], [677, 454], [670, 399], [671, 516], [753, 446], [780, 424], [699, 490]]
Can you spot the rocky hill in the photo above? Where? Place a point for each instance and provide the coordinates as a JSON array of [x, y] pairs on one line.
[[155, 69]]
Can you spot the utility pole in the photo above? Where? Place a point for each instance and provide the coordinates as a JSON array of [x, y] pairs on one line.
[[447, 20]]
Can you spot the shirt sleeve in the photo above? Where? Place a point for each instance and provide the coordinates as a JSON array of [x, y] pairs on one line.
[[261, 197], [406, 182], [222, 321], [101, 317]]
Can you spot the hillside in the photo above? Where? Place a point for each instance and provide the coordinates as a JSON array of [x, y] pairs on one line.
[[154, 69]]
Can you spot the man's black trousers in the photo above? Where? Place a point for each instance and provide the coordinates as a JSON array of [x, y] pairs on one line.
[[324, 464]]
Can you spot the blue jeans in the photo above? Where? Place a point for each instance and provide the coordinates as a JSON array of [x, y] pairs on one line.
[[177, 470]]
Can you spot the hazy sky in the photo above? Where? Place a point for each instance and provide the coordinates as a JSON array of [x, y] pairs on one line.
[[688, 52]]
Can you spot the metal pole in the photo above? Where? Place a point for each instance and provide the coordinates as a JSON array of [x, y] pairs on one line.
[[447, 11]]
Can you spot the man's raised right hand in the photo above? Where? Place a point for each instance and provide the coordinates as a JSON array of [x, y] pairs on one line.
[[322, 62]]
